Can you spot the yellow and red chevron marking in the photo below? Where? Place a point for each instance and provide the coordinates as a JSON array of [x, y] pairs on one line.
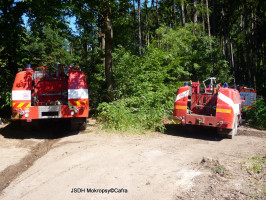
[[20, 105], [223, 110], [181, 107], [77, 103]]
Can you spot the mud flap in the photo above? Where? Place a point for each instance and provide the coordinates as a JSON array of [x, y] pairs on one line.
[[229, 133], [233, 131]]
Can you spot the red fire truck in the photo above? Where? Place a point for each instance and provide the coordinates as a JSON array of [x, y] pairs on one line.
[[248, 96], [214, 106], [40, 94]]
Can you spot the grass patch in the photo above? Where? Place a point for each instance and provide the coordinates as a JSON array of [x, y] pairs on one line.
[[215, 166], [256, 164], [220, 169]]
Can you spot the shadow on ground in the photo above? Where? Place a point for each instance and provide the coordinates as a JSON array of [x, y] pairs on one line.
[[39, 129], [196, 132]]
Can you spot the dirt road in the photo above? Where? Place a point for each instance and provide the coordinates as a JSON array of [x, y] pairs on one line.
[[180, 164]]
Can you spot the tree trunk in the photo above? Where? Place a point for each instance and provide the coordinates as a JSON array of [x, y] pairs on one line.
[[195, 13], [183, 13], [103, 46], [225, 36], [157, 13], [253, 49], [214, 17], [208, 19], [174, 14], [232, 60], [241, 50], [146, 23], [134, 23], [202, 16], [108, 53], [154, 14], [248, 62], [139, 24]]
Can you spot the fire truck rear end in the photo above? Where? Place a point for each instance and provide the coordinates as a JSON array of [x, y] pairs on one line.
[[40, 94], [215, 106], [248, 96]]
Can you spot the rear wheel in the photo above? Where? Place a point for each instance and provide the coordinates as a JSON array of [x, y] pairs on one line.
[[240, 121], [78, 124], [25, 126]]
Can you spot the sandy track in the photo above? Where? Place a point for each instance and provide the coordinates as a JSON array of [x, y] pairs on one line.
[[152, 166]]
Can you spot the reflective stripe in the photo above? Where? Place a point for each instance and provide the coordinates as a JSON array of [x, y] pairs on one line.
[[181, 107], [230, 102], [78, 94], [223, 110], [20, 105], [21, 95], [77, 103], [182, 95]]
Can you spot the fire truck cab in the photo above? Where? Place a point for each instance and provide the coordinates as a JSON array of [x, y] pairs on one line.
[[40, 94], [214, 106]]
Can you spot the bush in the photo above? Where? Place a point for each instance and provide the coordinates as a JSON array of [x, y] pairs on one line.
[[138, 113], [256, 116]]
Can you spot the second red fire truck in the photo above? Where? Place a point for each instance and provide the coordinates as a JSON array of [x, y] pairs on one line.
[[213, 106]]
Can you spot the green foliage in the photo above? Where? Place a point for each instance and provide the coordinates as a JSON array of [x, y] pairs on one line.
[[194, 54], [220, 169], [136, 113], [51, 48], [255, 164], [256, 116], [5, 92], [146, 85]]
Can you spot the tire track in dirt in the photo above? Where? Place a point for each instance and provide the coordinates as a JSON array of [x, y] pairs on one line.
[[13, 171]]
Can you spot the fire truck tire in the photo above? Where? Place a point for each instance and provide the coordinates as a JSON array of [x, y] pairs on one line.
[[240, 121], [83, 124], [78, 124], [233, 131], [23, 125], [16, 123]]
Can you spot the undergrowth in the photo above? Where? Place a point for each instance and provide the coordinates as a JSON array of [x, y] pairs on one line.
[[256, 116], [137, 113]]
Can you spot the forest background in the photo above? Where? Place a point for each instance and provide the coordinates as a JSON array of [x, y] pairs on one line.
[[135, 53]]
